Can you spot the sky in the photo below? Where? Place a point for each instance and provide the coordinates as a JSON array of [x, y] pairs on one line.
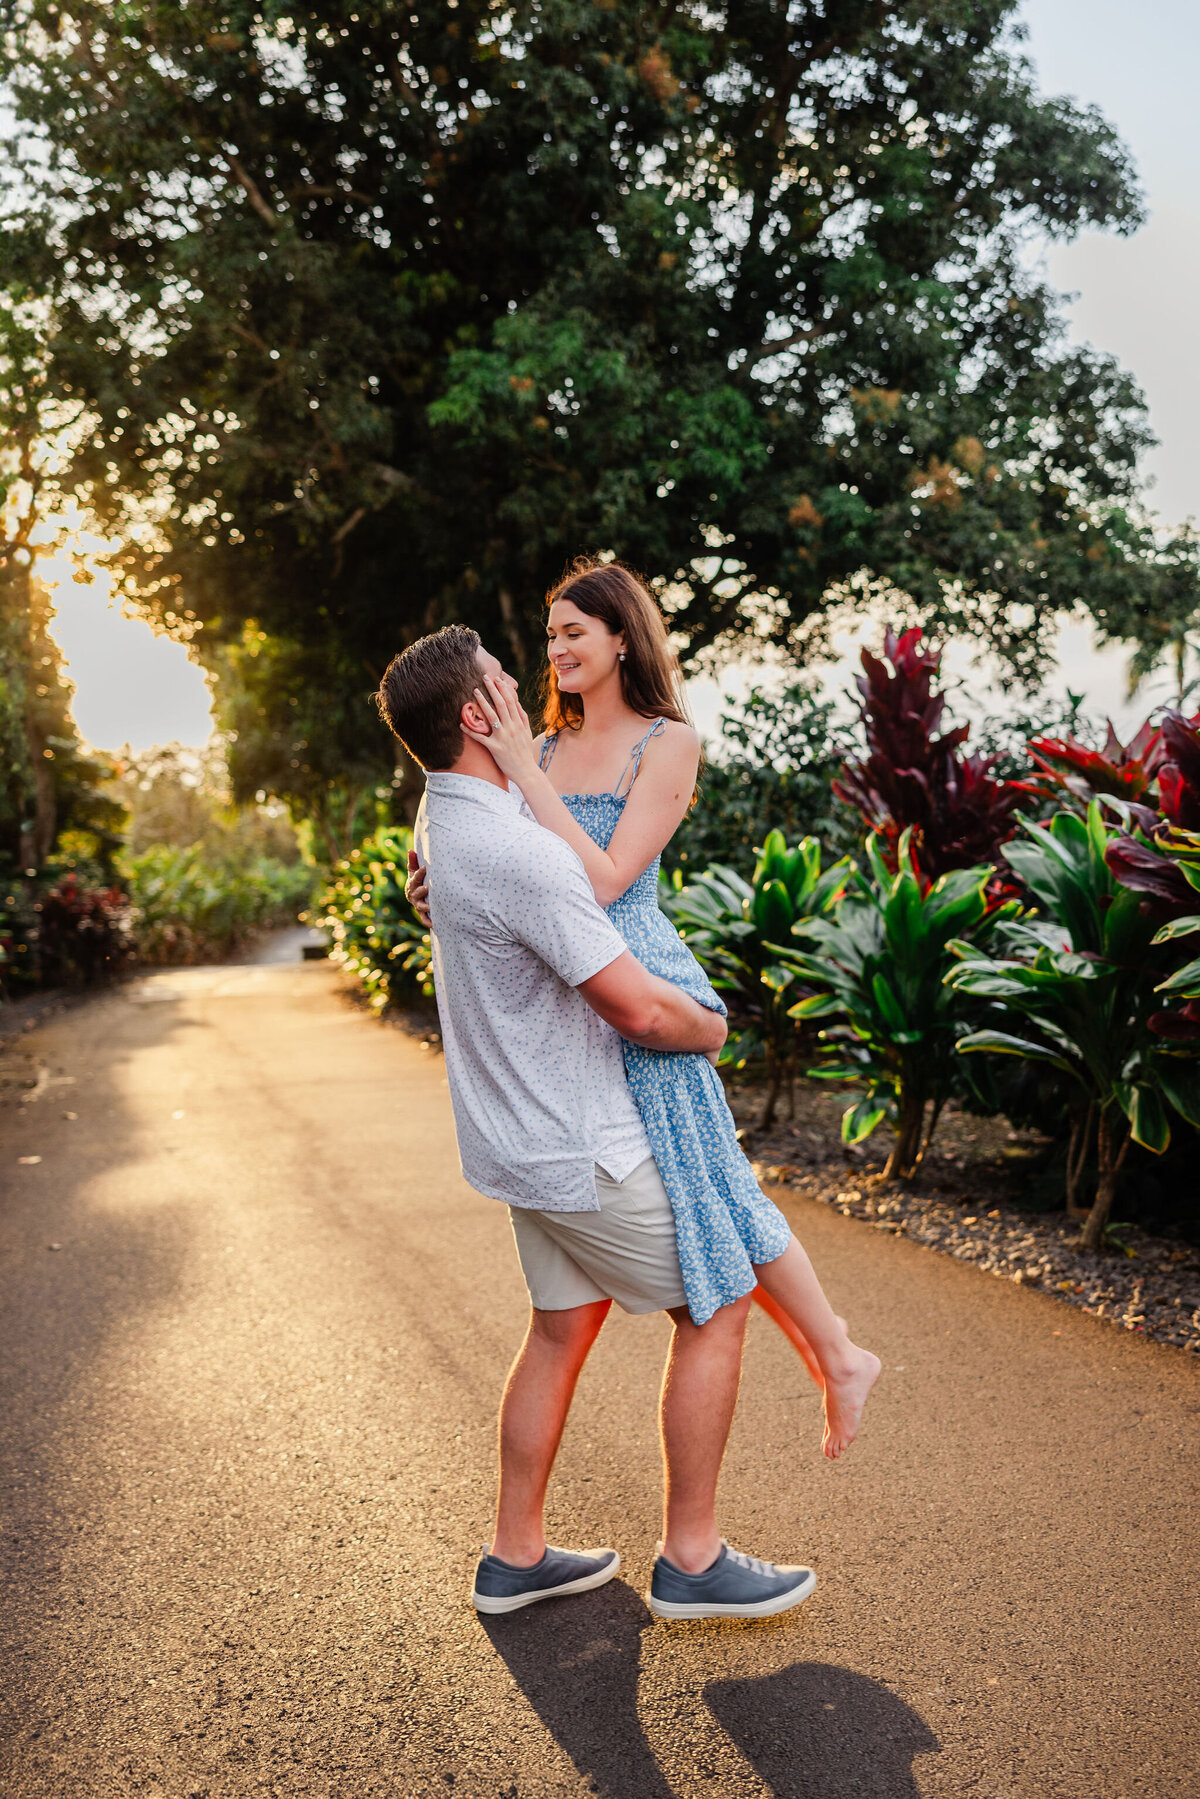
[[1133, 296]]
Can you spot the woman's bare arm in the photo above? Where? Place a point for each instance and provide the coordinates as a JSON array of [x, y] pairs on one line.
[[653, 812]]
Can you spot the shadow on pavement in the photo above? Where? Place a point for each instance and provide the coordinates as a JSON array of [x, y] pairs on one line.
[[811, 1731], [578, 1667], [814, 1731]]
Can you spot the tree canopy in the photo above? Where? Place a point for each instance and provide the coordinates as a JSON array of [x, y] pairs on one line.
[[380, 313]]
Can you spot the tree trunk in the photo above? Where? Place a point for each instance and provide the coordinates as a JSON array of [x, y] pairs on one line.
[[934, 1115], [906, 1150], [1111, 1159], [1077, 1154], [773, 1082]]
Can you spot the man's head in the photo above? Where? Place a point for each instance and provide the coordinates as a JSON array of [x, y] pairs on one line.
[[428, 692]]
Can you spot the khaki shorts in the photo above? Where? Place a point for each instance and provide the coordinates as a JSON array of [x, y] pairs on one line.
[[626, 1251]]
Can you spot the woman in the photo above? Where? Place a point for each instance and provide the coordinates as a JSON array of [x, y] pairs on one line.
[[613, 775]]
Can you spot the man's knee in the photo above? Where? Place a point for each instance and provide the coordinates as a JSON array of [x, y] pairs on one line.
[[570, 1332]]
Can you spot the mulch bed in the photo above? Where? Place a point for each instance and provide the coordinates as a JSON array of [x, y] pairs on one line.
[[961, 1204]]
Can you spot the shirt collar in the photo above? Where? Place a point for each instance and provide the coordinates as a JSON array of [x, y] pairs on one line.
[[440, 784]]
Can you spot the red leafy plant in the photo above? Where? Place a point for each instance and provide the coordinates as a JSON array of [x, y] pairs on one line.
[[1154, 780], [1166, 871], [82, 932], [916, 777], [1166, 756]]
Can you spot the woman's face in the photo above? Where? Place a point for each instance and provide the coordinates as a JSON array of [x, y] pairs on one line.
[[582, 650]]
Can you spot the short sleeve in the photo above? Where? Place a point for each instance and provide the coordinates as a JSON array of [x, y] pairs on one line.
[[544, 899]]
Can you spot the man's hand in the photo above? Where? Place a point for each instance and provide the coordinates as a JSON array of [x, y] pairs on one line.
[[650, 1011], [416, 888]]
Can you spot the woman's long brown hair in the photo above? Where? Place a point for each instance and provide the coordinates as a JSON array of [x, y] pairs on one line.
[[651, 683]]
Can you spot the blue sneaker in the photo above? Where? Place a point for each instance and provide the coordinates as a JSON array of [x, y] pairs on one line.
[[736, 1586], [499, 1587]]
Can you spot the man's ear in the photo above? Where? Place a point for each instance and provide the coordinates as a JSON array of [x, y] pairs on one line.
[[473, 722]]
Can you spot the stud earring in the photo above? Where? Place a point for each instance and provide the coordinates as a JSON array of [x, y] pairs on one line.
[[620, 655]]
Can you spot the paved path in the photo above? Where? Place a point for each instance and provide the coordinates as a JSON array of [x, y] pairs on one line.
[[247, 1431]]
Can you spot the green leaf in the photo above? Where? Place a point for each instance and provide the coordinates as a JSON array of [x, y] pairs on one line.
[[1180, 1083], [861, 1120], [819, 1005], [889, 1005], [1178, 927], [1148, 1120], [773, 912], [772, 862], [1005, 1045], [1185, 981]]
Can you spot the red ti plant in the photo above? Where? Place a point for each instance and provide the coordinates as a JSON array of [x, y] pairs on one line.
[[1166, 757], [917, 778], [1179, 773]]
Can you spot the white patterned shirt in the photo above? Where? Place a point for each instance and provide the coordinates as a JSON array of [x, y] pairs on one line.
[[537, 1079]]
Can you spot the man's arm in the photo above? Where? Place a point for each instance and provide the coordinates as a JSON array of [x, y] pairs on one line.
[[651, 1011]]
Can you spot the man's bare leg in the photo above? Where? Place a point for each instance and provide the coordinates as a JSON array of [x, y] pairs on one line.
[[533, 1414], [848, 1372], [699, 1394]]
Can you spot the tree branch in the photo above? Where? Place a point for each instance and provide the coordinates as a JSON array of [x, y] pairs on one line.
[[251, 190], [776, 346]]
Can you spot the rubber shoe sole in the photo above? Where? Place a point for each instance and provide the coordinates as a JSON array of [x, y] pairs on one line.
[[483, 1602], [763, 1608]]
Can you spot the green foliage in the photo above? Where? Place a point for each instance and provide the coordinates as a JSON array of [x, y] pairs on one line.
[[878, 968], [376, 935], [294, 721], [735, 928], [1076, 994], [174, 794], [204, 875], [382, 314], [188, 907], [48, 781], [774, 770]]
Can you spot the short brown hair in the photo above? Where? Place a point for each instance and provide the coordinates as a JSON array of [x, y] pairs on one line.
[[424, 691]]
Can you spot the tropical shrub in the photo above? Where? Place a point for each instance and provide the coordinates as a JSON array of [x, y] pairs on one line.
[[773, 769], [877, 964], [1155, 775], [188, 907], [70, 932], [915, 777], [376, 935], [83, 933], [1076, 992], [1178, 851], [735, 927]]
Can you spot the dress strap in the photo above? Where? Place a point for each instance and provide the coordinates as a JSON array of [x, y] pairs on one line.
[[549, 745], [621, 790]]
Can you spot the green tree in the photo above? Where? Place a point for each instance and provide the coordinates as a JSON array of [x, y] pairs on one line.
[[382, 312], [49, 783]]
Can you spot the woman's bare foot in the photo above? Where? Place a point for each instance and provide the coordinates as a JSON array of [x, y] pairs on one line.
[[845, 1398]]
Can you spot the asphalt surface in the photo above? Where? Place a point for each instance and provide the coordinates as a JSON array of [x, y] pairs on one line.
[[247, 1430]]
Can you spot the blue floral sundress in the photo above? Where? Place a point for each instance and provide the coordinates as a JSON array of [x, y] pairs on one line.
[[723, 1220]]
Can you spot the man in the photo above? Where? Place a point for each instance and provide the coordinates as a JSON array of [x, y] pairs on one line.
[[535, 989]]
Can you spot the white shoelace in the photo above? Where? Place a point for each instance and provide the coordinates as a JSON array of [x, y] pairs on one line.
[[750, 1562]]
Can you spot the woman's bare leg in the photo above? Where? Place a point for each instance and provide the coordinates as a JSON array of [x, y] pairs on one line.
[[792, 1332], [847, 1373]]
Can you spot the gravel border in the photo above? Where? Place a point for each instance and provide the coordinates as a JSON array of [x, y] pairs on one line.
[[1155, 1289]]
